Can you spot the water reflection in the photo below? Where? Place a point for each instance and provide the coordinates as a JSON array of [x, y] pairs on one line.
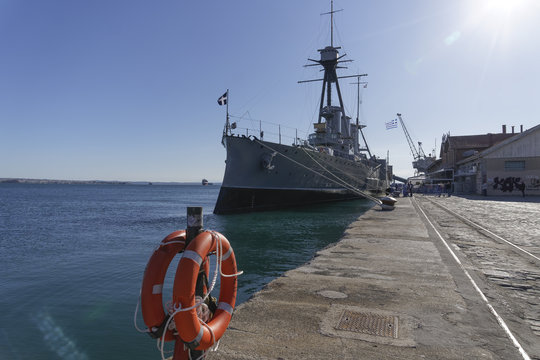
[[270, 243]]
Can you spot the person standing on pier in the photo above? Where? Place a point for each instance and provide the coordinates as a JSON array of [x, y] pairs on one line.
[[448, 189], [521, 187]]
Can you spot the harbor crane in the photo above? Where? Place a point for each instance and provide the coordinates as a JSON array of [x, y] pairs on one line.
[[421, 161]]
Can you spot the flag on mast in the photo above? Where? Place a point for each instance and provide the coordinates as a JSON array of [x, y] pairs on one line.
[[223, 99], [392, 124]]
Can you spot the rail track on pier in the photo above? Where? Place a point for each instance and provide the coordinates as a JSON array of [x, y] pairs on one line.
[[499, 242]]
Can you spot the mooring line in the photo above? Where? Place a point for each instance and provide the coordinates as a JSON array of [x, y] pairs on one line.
[[473, 224], [343, 183], [491, 309]]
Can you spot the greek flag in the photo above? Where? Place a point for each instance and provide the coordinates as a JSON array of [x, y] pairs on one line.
[[223, 99], [391, 124]]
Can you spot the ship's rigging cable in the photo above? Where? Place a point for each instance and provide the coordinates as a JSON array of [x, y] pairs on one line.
[[341, 182], [349, 175]]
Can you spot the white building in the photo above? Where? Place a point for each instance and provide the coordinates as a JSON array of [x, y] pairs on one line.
[[510, 167]]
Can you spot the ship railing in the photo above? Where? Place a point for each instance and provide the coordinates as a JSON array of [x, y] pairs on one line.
[[324, 139], [264, 130]]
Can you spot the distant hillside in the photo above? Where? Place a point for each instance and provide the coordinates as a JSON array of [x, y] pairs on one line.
[[91, 182], [53, 181]]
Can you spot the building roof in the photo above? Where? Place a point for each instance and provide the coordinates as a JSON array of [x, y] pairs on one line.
[[497, 146], [510, 140], [476, 142]]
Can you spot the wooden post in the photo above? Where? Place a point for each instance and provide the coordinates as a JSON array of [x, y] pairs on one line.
[[194, 222], [194, 227]]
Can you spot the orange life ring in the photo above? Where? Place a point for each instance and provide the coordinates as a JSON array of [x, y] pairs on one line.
[[152, 286], [191, 331]]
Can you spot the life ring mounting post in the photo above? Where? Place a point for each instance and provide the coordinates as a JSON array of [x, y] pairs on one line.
[[194, 222], [178, 321]]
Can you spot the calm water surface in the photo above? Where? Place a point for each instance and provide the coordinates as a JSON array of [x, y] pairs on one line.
[[73, 257]]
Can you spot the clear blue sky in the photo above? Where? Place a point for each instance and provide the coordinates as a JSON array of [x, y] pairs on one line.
[[127, 90]]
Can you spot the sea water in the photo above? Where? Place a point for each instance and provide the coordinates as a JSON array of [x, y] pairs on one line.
[[73, 256]]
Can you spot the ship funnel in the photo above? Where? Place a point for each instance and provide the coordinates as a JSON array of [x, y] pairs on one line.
[[337, 120]]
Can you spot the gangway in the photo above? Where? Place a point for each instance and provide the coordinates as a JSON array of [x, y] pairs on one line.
[[399, 178]]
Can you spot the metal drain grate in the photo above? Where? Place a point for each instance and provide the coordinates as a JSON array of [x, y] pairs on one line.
[[369, 323]]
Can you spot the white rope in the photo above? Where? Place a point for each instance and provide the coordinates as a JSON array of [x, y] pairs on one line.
[[343, 183], [219, 260], [219, 254], [203, 355], [140, 290], [160, 348], [177, 309], [135, 316], [215, 344]]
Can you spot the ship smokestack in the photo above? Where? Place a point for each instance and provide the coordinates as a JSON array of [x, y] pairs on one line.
[[504, 129]]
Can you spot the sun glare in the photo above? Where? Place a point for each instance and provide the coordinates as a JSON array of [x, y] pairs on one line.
[[503, 6], [502, 12], [499, 19]]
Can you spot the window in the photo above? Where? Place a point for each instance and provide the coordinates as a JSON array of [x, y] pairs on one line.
[[514, 165]]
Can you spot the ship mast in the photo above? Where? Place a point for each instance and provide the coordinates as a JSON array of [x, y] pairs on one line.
[[336, 131], [358, 126], [329, 61]]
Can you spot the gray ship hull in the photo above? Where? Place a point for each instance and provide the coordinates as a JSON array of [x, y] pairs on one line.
[[262, 176]]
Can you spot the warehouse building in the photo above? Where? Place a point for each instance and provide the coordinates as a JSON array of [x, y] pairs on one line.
[[509, 167]]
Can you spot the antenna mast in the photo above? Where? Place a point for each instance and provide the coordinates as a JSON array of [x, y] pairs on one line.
[[358, 126], [331, 12], [332, 23]]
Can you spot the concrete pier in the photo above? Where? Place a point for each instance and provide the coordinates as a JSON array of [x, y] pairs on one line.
[[397, 287]]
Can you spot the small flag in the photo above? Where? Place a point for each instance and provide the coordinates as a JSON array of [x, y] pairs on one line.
[[391, 124], [223, 99]]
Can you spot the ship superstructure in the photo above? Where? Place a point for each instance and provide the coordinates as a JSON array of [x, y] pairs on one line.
[[330, 166]]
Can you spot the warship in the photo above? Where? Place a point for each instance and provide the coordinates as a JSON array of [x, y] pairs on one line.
[[330, 165]]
